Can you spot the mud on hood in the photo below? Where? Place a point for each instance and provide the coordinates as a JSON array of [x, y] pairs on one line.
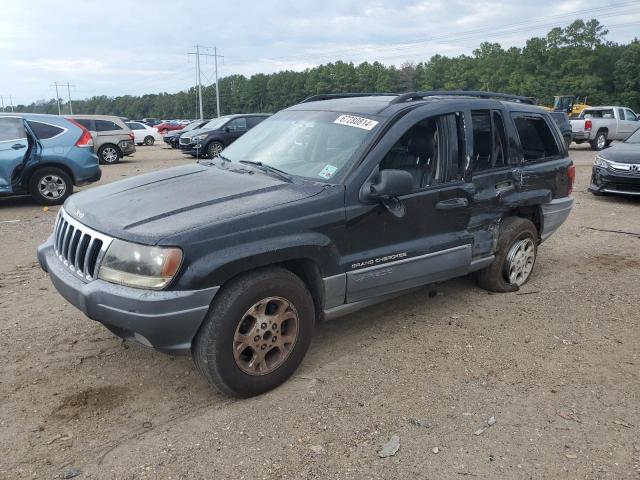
[[147, 208]]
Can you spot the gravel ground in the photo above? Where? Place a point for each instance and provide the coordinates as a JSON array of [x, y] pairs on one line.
[[556, 364]]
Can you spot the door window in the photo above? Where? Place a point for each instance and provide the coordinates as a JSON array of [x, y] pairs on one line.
[[11, 129], [621, 113], [631, 116], [431, 151], [44, 130], [237, 124], [253, 121], [536, 138], [489, 140], [135, 126]]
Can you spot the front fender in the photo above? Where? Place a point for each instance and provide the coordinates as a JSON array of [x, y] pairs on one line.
[[216, 268]]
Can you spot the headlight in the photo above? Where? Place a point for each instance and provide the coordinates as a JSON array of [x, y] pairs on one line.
[[139, 266], [198, 138], [601, 162]]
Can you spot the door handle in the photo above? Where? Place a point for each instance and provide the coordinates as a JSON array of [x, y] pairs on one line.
[[452, 203], [18, 146]]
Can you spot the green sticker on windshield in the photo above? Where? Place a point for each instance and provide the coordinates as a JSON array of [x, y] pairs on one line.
[[327, 172]]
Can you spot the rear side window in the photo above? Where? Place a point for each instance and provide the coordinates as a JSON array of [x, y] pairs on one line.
[[489, 140], [106, 126], [536, 138], [11, 129], [44, 130], [621, 114]]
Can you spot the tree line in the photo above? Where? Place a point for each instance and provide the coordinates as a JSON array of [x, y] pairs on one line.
[[575, 60]]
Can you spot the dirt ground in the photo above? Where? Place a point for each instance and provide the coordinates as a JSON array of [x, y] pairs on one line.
[[556, 364]]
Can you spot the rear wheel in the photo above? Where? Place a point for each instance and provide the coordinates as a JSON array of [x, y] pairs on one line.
[[515, 257], [600, 141], [256, 333], [109, 154], [50, 186], [149, 140]]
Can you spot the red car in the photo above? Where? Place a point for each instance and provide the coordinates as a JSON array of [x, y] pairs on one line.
[[163, 128]]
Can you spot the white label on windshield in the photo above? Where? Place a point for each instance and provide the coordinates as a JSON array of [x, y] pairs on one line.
[[353, 121], [327, 172]]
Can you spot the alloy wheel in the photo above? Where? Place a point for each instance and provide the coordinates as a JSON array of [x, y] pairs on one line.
[[110, 155], [520, 260], [52, 187], [265, 336]]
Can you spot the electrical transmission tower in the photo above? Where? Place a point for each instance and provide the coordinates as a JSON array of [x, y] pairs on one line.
[[56, 84], [215, 56]]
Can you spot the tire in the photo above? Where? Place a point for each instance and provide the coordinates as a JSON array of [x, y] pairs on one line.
[[109, 154], [228, 319], [149, 140], [513, 231], [600, 141], [43, 182], [214, 148]]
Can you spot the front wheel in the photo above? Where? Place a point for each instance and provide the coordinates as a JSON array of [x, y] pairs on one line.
[[515, 257], [50, 186], [149, 140], [256, 333], [214, 149]]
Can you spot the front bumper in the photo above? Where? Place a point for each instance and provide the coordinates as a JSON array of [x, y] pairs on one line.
[[554, 214], [605, 181], [164, 320]]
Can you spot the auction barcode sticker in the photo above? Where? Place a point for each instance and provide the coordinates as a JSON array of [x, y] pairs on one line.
[[353, 121]]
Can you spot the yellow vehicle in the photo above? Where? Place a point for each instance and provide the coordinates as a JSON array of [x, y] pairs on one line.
[[569, 104]]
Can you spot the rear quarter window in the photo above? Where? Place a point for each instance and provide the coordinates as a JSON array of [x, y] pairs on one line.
[[107, 126], [45, 131], [536, 138]]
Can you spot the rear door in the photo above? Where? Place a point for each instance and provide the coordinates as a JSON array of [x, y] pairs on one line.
[[14, 147]]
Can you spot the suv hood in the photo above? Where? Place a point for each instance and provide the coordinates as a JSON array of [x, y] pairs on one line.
[[622, 153], [147, 208]]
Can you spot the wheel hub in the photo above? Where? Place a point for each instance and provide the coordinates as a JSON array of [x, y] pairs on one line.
[[51, 186], [265, 336], [520, 260]]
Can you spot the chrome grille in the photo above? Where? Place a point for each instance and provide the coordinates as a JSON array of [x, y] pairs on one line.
[[185, 140], [79, 247]]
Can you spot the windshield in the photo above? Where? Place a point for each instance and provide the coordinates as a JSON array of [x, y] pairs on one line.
[[634, 138], [215, 123], [310, 144], [192, 125]]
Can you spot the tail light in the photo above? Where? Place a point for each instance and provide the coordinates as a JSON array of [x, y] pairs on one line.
[[85, 140], [132, 136], [587, 124], [571, 177]]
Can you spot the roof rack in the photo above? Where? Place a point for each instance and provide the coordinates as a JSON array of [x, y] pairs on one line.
[[331, 96], [409, 96]]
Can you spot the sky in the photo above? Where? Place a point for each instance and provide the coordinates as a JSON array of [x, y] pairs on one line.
[[119, 47]]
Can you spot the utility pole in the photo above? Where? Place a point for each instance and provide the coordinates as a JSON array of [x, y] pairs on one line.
[[69, 94], [11, 102], [55, 84], [2, 101], [199, 76]]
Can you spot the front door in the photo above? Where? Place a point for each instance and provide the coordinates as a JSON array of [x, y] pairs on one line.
[[14, 147], [234, 129], [391, 251]]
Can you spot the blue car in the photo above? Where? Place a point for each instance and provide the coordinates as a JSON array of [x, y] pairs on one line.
[[45, 156]]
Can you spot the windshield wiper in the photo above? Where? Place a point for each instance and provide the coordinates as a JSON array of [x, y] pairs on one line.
[[269, 168]]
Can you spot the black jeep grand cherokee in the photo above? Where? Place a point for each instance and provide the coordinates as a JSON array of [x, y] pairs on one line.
[[327, 207]]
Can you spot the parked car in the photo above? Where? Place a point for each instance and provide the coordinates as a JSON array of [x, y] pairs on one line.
[[112, 138], [601, 125], [144, 134], [152, 122], [44, 156], [617, 169], [324, 208], [219, 133], [165, 127], [173, 138], [562, 121]]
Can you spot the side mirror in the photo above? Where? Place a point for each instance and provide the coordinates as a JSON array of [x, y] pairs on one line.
[[227, 129], [391, 184]]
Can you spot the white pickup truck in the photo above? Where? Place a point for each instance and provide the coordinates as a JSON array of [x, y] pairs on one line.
[[601, 125]]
